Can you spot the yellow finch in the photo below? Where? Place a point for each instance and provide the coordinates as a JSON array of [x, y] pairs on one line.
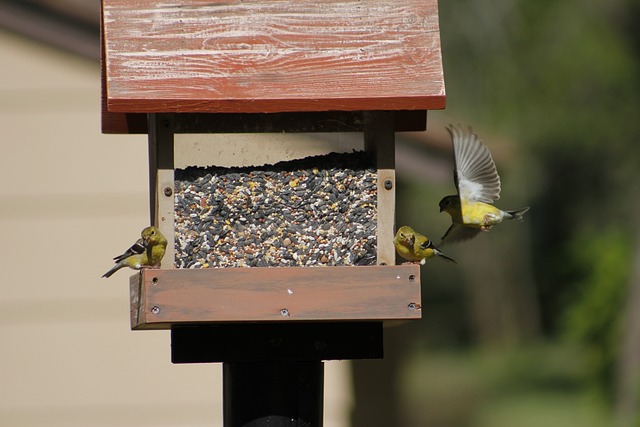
[[145, 252], [478, 185], [415, 247]]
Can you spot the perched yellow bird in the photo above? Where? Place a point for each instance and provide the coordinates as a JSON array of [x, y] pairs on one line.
[[415, 247], [478, 185], [145, 252]]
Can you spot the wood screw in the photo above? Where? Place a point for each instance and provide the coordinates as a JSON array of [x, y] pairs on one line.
[[168, 191], [155, 309], [284, 312], [388, 184]]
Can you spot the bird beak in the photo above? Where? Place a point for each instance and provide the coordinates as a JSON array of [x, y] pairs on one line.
[[412, 240]]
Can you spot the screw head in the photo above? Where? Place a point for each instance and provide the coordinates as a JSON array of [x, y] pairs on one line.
[[284, 312], [155, 309], [168, 191], [412, 278], [413, 306], [388, 184]]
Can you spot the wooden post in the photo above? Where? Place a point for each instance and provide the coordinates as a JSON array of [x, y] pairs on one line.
[[161, 179], [379, 140]]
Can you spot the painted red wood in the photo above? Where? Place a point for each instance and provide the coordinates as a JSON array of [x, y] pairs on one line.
[[272, 55]]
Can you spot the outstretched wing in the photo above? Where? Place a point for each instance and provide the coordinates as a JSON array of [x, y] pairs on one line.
[[458, 233], [475, 175]]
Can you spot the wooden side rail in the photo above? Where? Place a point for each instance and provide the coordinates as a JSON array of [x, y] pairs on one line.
[[164, 298]]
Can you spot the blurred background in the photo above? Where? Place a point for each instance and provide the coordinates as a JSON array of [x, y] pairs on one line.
[[537, 325]]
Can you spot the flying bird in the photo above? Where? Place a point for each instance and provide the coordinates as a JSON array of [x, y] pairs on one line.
[[416, 247], [478, 186], [147, 251]]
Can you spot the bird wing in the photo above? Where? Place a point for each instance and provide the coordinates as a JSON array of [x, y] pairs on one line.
[[458, 233], [426, 244], [475, 174], [135, 249]]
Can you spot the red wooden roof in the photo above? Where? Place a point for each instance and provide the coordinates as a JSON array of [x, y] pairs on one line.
[[271, 55]]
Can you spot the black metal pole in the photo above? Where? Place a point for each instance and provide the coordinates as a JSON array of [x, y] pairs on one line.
[[270, 394]]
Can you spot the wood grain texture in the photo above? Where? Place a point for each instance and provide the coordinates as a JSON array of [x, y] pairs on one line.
[[115, 122], [161, 298], [165, 213], [272, 56], [386, 251]]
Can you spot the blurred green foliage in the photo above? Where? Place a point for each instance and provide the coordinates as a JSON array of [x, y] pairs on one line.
[[561, 80], [483, 388], [593, 317]]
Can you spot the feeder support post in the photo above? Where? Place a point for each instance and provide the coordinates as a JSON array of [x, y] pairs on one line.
[[161, 178], [264, 394], [379, 141]]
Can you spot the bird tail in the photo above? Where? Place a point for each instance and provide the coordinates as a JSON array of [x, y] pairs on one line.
[[113, 270], [444, 257], [517, 215]]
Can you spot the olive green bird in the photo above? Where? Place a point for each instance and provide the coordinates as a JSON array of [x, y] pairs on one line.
[[416, 247], [478, 186], [146, 252]]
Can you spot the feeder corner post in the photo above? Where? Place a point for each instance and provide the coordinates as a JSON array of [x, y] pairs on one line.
[[379, 141], [161, 177]]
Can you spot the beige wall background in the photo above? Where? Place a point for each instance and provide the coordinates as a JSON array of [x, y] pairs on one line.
[[70, 199]]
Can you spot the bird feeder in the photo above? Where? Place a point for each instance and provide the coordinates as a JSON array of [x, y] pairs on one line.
[[290, 261]]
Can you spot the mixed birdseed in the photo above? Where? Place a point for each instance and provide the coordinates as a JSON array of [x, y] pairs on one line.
[[315, 211]]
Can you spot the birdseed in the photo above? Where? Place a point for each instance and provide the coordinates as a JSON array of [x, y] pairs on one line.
[[319, 210]]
